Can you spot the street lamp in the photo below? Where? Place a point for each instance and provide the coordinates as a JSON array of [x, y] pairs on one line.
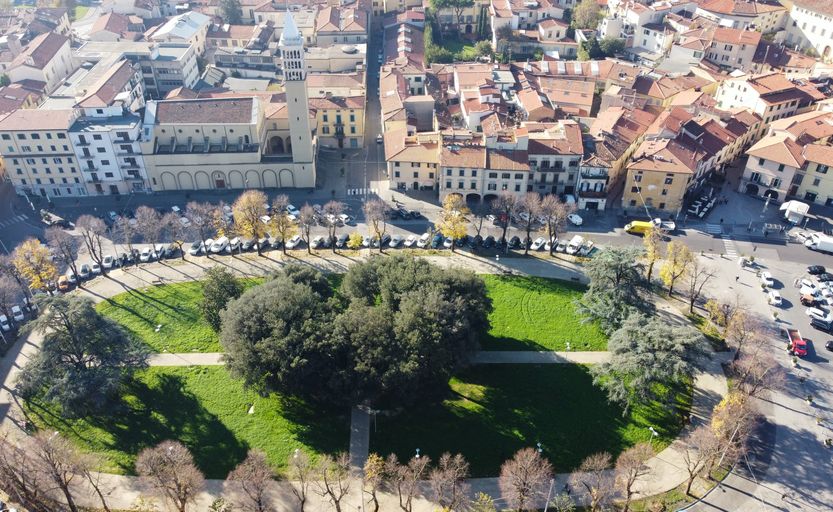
[[417, 453], [654, 434]]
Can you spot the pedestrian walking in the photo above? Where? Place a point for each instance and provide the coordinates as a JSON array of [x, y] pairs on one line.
[[737, 278]]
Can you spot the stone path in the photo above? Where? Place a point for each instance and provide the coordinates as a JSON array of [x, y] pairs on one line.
[[667, 469]]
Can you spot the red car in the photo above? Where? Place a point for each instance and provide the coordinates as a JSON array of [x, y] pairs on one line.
[[797, 346]]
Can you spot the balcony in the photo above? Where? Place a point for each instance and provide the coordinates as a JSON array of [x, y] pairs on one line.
[[593, 175], [592, 194]]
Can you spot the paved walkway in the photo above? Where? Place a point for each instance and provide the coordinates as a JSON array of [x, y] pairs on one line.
[[667, 470]]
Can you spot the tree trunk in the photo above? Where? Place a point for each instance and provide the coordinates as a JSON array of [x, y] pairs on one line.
[[689, 484], [68, 495], [650, 271]]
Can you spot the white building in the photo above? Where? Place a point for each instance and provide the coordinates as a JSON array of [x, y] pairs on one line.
[[190, 27], [47, 58], [811, 27]]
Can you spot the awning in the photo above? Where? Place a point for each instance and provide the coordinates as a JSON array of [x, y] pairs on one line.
[[795, 207]]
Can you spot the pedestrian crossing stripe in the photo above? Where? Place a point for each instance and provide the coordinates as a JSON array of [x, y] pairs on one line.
[[13, 220], [361, 191], [714, 229], [729, 246]]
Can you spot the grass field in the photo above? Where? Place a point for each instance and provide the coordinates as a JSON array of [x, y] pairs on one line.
[[493, 410], [535, 313], [81, 11], [208, 411], [173, 306]]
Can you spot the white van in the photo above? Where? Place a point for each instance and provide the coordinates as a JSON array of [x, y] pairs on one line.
[[575, 244], [219, 245]]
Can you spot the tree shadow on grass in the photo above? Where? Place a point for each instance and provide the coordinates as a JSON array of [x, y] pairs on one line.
[[492, 411], [147, 415], [324, 429]]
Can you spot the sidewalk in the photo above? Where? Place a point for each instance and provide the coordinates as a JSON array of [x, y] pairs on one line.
[[667, 470]]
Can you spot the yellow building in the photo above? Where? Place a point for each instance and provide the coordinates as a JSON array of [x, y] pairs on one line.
[[412, 161], [815, 179], [340, 120], [659, 176]]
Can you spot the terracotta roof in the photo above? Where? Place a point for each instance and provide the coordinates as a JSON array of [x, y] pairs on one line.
[[818, 153], [781, 58], [740, 7], [736, 36], [41, 50], [770, 82], [807, 127], [242, 32], [562, 138], [463, 156], [506, 160], [324, 80], [400, 148], [337, 102], [334, 19], [36, 119], [664, 155], [109, 86], [210, 111], [111, 22], [779, 148], [819, 6]]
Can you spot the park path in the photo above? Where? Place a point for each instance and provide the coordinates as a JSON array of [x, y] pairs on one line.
[[667, 470]]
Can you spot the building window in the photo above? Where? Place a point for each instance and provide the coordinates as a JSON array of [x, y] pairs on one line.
[[493, 175], [761, 162], [633, 202], [447, 184], [821, 169], [490, 186], [100, 150], [816, 182], [462, 173], [781, 168], [519, 176], [517, 187], [6, 136], [662, 206], [395, 174], [669, 181], [416, 174], [506, 176], [473, 185], [634, 190], [461, 185], [474, 173], [96, 136], [637, 178], [665, 191], [448, 172]]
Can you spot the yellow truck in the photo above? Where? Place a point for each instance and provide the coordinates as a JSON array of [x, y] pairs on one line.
[[638, 227]]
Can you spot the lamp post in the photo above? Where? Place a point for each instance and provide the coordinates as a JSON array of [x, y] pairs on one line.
[[417, 453], [654, 434]]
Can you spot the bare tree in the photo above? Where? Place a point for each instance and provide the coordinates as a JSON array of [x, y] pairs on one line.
[[281, 223], [170, 468], [332, 216], [306, 220], [92, 231], [376, 214], [9, 291], [701, 446], [479, 212], [124, 230], [699, 274], [757, 372], [58, 462], [555, 212], [732, 422], [504, 207], [201, 216], [448, 481], [596, 479], [149, 225], [742, 330], [529, 210], [404, 478], [524, 478], [301, 472], [374, 477], [21, 478], [8, 268], [172, 223], [630, 466], [333, 478], [254, 476], [64, 246]]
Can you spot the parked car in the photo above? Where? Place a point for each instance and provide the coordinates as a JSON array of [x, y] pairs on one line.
[[474, 242], [815, 269], [112, 216], [273, 243], [64, 284], [808, 300], [829, 345], [346, 219], [821, 325], [84, 271], [263, 243], [818, 314], [171, 250], [514, 242], [538, 243], [341, 242], [424, 240], [774, 298], [247, 244], [219, 245], [385, 240], [575, 219], [410, 241], [30, 305], [825, 277], [108, 261], [766, 279], [17, 313], [234, 245], [395, 241], [195, 248], [95, 268], [290, 209], [447, 243], [293, 242], [146, 255], [318, 242], [5, 324], [437, 241], [71, 277], [488, 242]]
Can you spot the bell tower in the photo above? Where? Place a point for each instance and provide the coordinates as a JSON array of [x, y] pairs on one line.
[[291, 46]]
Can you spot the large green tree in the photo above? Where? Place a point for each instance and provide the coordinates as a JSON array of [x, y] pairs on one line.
[[457, 6], [83, 358], [219, 287], [647, 355], [587, 15], [231, 11], [616, 287], [394, 334]]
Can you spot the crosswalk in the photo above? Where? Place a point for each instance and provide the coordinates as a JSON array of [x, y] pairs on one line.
[[730, 249], [362, 191], [714, 229], [13, 220]]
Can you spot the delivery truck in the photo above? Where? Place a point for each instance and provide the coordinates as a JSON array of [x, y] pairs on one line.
[[795, 343], [819, 242]]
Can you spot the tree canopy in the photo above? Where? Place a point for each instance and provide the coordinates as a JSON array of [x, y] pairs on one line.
[[586, 15], [647, 354], [220, 286], [616, 287], [395, 332], [232, 11], [83, 358]]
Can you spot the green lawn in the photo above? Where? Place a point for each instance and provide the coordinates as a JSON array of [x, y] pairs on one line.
[[535, 313], [493, 410], [173, 306], [208, 411], [81, 11]]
